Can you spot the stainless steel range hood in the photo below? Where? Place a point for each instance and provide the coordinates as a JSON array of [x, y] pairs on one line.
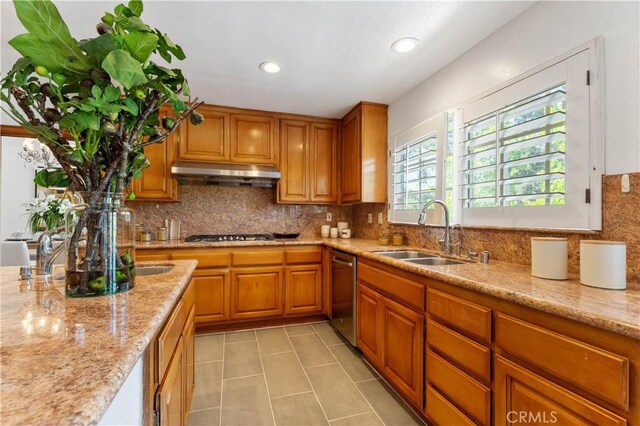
[[229, 174]]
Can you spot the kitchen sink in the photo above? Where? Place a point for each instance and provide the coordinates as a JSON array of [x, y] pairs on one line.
[[153, 270], [406, 254], [434, 261]]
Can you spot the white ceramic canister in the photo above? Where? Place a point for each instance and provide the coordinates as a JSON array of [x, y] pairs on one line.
[[549, 258], [603, 264], [334, 233], [343, 225], [324, 230]]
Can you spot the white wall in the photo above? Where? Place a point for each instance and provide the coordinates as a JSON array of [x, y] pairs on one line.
[[539, 34], [16, 187]]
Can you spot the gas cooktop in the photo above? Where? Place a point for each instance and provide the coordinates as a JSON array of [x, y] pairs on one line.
[[228, 237]]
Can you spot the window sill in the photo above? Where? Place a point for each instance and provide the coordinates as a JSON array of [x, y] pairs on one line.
[[509, 229]]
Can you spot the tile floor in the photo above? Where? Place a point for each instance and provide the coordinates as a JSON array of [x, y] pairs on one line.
[[301, 375]]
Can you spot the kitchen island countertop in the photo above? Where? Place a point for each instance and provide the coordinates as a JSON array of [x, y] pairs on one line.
[[67, 365]]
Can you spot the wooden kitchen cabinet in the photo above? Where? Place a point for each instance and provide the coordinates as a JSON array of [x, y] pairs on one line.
[[369, 323], [189, 362], [308, 162], [212, 289], [303, 289], [256, 292], [171, 391], [363, 154], [208, 141], [253, 138]]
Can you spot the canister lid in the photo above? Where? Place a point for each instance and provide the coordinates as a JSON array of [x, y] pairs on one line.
[[548, 239], [609, 243]]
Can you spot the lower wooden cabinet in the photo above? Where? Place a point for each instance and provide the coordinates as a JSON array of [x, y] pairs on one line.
[[256, 292], [170, 397], [369, 323], [189, 335], [303, 289], [522, 396], [212, 295]]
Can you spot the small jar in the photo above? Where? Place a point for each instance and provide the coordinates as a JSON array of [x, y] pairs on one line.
[[162, 233], [145, 236], [138, 231], [383, 240], [398, 239]]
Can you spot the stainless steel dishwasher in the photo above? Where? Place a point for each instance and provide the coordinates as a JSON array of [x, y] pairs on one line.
[[343, 294]]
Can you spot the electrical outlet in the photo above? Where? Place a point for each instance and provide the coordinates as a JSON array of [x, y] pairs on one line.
[[626, 186], [329, 216], [370, 218], [380, 218]]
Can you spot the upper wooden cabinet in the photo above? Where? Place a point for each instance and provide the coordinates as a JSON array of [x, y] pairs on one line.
[[308, 162], [363, 154], [253, 138], [207, 142], [157, 183]]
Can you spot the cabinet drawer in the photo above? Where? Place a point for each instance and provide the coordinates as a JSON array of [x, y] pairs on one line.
[[442, 412], [597, 371], [471, 319], [188, 299], [258, 257], [465, 392], [152, 255], [469, 355], [304, 255], [205, 259], [400, 288], [169, 337]]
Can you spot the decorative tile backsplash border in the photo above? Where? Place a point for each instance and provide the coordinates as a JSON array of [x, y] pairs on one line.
[[620, 217]]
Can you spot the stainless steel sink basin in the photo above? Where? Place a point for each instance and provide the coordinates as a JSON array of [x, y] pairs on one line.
[[153, 270], [434, 261], [406, 254]]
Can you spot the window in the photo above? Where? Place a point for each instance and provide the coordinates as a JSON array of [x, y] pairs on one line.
[[416, 170]]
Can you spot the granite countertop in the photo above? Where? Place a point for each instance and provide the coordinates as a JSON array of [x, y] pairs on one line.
[[68, 367], [613, 310], [171, 244]]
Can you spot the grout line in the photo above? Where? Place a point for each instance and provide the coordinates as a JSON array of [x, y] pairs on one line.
[[319, 365], [208, 362], [264, 375], [210, 334], [291, 394], [243, 341], [353, 415], [202, 409], [277, 353], [307, 376], [334, 344], [366, 380], [303, 334], [224, 339], [242, 377]]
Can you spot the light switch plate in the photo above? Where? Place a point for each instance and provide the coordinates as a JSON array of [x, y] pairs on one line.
[[380, 218], [329, 217], [370, 218], [626, 186]]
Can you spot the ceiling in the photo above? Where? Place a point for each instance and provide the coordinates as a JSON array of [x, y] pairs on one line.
[[332, 54]]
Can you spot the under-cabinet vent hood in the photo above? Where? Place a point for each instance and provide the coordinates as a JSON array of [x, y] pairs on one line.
[[229, 174]]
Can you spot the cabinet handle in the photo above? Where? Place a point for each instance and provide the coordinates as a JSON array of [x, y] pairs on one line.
[[335, 259]]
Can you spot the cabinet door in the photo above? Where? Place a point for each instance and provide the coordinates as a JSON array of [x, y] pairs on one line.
[[351, 170], [403, 349], [212, 295], [208, 141], [253, 139], [303, 289], [157, 183], [189, 364], [369, 323], [256, 292], [323, 175], [294, 161], [171, 391], [524, 397]]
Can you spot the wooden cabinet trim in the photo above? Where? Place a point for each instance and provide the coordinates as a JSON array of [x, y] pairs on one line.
[[169, 336], [304, 255], [253, 257]]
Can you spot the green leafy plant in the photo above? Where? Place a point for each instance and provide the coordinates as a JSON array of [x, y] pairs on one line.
[[96, 103]]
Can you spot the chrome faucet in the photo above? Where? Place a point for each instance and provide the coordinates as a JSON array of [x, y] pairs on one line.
[[45, 253], [470, 253], [445, 241]]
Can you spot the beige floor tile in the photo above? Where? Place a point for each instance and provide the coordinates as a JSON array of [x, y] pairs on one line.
[[297, 410], [366, 419], [239, 336], [297, 330], [284, 375], [353, 363], [204, 418], [391, 409], [311, 350], [336, 392], [241, 359], [209, 347], [245, 402], [208, 385], [327, 333], [273, 340]]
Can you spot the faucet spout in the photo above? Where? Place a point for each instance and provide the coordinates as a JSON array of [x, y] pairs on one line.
[[446, 238], [46, 253]]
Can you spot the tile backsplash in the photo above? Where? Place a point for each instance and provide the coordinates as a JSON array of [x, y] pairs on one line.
[[236, 210], [620, 218]]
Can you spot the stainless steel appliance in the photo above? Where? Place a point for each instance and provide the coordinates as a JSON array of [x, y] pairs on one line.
[[229, 174], [343, 294], [229, 237]]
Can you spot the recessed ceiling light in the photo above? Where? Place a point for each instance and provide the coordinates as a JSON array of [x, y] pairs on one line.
[[270, 67], [404, 45]]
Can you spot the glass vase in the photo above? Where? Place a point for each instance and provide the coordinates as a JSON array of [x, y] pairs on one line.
[[100, 246]]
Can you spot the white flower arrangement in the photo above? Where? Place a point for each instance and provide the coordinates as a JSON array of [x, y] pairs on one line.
[[48, 211]]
